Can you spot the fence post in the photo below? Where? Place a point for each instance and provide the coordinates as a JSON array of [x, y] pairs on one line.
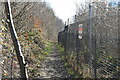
[[90, 39], [95, 57], [76, 51], [75, 33], [66, 39], [118, 36]]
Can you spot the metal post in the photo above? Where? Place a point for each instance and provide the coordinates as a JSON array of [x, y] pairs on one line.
[[77, 54], [118, 36], [90, 37], [66, 39], [75, 34], [95, 57]]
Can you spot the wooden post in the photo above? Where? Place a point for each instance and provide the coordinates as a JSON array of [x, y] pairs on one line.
[[16, 43]]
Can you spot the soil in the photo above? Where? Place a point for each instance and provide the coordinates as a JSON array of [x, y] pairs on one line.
[[52, 66]]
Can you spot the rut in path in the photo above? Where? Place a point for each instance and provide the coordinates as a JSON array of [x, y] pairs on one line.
[[53, 66]]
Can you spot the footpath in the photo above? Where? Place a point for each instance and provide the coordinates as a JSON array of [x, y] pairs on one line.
[[52, 66]]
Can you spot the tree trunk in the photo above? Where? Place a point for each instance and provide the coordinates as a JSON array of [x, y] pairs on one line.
[[15, 41]]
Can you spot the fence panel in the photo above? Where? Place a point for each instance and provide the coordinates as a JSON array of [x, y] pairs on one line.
[[103, 60]]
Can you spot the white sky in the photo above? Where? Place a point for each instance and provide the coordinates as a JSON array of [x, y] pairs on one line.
[[64, 9]]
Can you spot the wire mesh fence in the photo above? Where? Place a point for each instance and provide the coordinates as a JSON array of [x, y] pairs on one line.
[[91, 42]]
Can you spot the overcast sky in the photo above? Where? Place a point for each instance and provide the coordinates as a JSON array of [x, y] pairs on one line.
[[64, 9]]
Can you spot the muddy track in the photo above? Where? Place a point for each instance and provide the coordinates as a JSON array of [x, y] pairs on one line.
[[53, 67]]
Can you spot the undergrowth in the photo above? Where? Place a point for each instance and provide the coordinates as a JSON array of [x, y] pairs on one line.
[[48, 48], [69, 70]]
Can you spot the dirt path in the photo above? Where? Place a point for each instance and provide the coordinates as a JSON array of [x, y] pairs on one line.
[[53, 67]]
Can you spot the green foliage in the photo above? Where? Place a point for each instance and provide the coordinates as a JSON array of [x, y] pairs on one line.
[[48, 48], [61, 49], [41, 57], [66, 58], [71, 72], [31, 33]]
